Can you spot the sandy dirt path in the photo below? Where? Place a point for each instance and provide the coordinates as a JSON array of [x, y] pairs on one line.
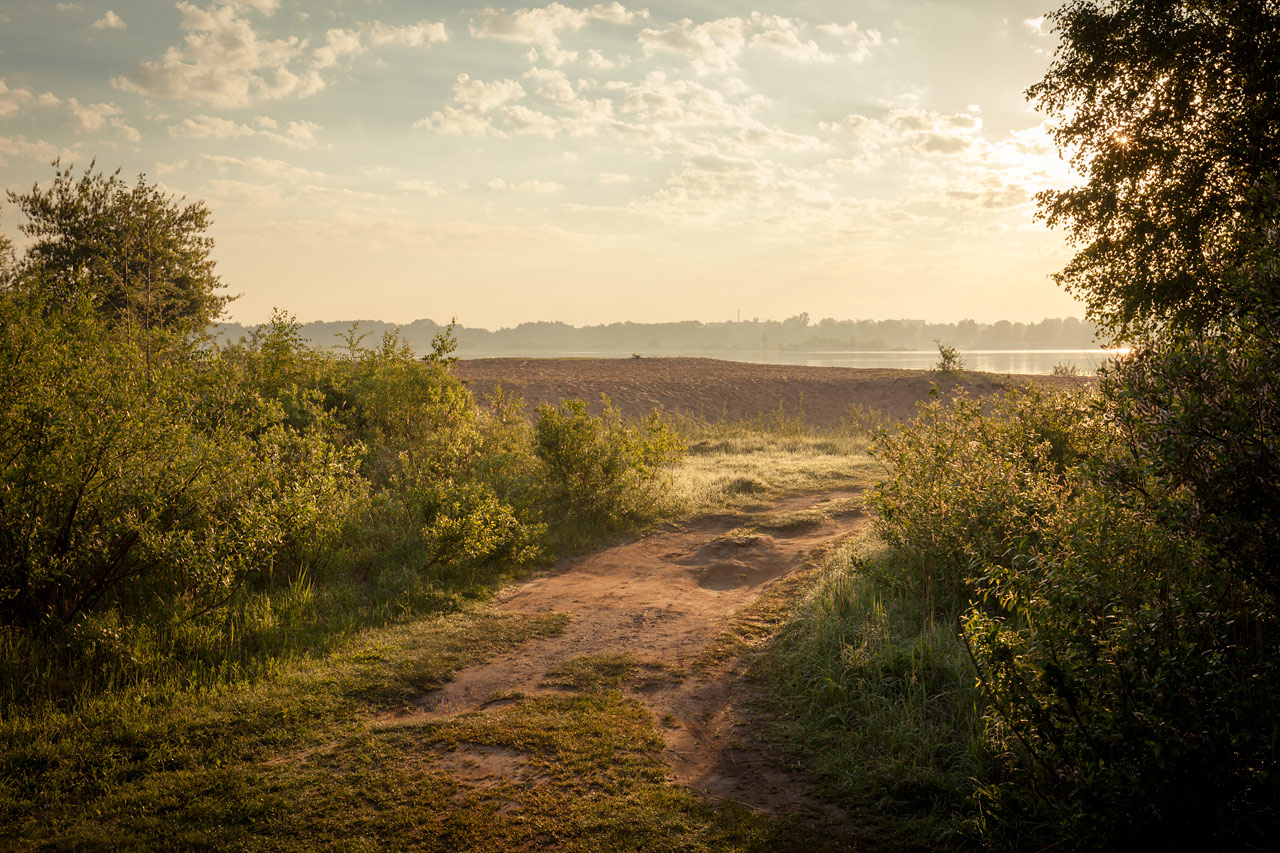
[[665, 598]]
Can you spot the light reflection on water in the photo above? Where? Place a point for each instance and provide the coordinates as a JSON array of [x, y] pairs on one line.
[[1087, 361]]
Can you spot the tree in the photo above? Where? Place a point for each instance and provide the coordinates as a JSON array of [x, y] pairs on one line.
[[139, 254], [7, 262], [1171, 111]]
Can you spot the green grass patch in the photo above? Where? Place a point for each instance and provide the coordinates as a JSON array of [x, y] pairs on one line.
[[611, 671], [801, 521], [120, 758], [878, 701]]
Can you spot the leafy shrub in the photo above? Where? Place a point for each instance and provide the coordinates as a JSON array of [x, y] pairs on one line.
[[1128, 686], [949, 359], [137, 472], [602, 470], [961, 482], [471, 526], [1126, 677]]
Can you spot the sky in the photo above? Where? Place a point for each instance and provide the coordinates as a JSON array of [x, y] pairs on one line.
[[706, 160]]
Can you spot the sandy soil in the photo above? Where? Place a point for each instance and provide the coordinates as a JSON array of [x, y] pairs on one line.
[[665, 598], [715, 389]]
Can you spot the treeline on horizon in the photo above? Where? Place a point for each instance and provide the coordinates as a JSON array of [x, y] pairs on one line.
[[794, 333]]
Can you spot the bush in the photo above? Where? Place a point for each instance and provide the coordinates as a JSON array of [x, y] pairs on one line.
[[137, 471], [949, 360], [961, 482], [1127, 684], [1128, 680], [602, 470]]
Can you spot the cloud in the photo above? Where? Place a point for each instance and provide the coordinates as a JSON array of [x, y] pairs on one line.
[[20, 147], [716, 46], [553, 54], [266, 8], [542, 187], [209, 127], [126, 130], [523, 120], [1036, 25], [262, 167], [91, 118], [715, 188], [455, 122], [596, 59], [222, 61], [987, 194], [759, 136], [410, 35], [579, 116], [542, 26], [297, 134], [12, 100], [664, 100], [473, 101], [858, 41], [912, 128], [109, 21], [782, 36], [788, 44], [338, 43], [649, 110], [427, 188], [481, 97], [713, 46]]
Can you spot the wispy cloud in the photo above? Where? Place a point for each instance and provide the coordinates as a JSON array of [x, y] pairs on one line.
[[543, 26], [109, 21]]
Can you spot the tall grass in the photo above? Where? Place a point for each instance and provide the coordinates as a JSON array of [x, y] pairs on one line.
[[876, 697]]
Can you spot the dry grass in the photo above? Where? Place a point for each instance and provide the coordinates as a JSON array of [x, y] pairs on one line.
[[735, 465]]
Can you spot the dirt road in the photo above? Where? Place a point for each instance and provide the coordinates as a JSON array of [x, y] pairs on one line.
[[664, 600]]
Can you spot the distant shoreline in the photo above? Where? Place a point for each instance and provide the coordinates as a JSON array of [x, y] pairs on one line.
[[1021, 362]]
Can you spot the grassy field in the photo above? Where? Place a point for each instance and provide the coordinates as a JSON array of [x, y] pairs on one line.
[[304, 746]]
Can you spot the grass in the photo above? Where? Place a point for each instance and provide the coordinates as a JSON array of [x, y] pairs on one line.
[[610, 671], [877, 700], [128, 763], [739, 463]]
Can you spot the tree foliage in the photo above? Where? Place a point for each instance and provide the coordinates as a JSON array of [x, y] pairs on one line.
[[1171, 111], [140, 255]]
